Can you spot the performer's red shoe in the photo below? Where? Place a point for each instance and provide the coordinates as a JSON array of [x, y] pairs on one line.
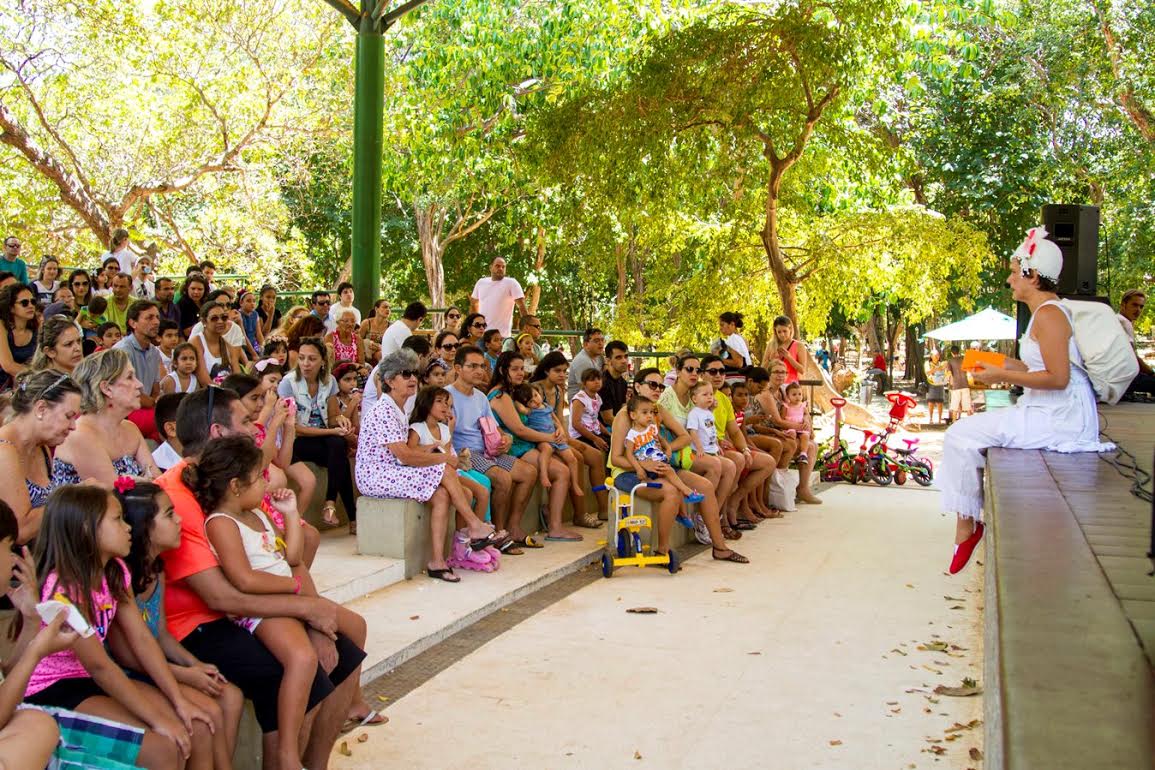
[[963, 551]]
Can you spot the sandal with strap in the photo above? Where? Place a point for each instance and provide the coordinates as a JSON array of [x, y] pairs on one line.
[[733, 556], [730, 533], [329, 515], [446, 574], [588, 520]]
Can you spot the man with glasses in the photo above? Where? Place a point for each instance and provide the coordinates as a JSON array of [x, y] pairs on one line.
[[321, 302], [494, 297], [143, 321], [589, 357], [615, 390], [11, 261], [403, 328], [531, 325], [513, 480], [165, 292], [199, 598]]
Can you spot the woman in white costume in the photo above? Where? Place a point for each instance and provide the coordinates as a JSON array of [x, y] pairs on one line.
[[1056, 411]]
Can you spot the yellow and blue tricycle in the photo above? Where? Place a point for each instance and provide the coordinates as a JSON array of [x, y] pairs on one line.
[[624, 544]]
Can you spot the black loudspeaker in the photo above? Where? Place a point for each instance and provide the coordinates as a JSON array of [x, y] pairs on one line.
[[1076, 231]]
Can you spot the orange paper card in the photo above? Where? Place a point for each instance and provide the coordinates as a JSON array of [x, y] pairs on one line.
[[972, 358]]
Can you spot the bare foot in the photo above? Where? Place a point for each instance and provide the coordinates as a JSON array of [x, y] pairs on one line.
[[566, 534], [577, 491], [543, 479], [809, 498]]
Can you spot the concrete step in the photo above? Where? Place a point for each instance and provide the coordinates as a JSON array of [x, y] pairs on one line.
[[411, 616], [343, 575]]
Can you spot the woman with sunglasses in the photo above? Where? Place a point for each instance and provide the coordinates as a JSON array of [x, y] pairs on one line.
[[310, 385], [215, 356], [472, 330], [720, 470], [18, 327], [81, 285], [648, 384], [452, 319], [445, 346], [45, 406]]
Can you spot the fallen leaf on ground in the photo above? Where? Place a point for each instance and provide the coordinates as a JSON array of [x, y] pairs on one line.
[[953, 599], [910, 585], [637, 755], [953, 737], [958, 692], [931, 670], [837, 714], [723, 590], [836, 743], [938, 750], [900, 652], [958, 607], [754, 653], [344, 749], [933, 647], [362, 737], [643, 610], [957, 726], [382, 698], [414, 617], [892, 703], [976, 755]]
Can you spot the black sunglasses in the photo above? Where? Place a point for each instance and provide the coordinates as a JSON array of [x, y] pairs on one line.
[[407, 373], [716, 371], [25, 302], [477, 326], [654, 385], [80, 283], [692, 369], [450, 345]]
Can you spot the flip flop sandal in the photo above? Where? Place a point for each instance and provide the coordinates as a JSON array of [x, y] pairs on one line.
[[564, 539], [529, 541], [492, 539], [372, 719], [446, 574], [746, 524], [731, 534], [329, 516], [776, 514], [734, 556]]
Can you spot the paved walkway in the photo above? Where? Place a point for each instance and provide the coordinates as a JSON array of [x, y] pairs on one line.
[[807, 658]]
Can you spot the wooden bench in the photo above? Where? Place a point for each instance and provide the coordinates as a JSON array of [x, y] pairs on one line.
[[1067, 684]]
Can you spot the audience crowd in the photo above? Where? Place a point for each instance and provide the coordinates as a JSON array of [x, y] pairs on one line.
[[168, 436]]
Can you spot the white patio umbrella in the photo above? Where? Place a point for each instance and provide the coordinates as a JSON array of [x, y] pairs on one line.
[[987, 324]]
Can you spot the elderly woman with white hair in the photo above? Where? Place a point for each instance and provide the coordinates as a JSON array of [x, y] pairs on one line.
[[1056, 411], [388, 467], [343, 343]]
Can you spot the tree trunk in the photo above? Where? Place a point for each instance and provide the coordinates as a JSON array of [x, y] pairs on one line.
[[432, 251], [538, 266], [915, 353], [784, 278]]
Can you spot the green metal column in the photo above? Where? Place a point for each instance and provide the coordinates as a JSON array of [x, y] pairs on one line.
[[368, 117]]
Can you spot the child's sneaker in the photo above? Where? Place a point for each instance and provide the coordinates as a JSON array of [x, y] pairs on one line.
[[701, 534], [695, 497], [802, 459], [684, 520]]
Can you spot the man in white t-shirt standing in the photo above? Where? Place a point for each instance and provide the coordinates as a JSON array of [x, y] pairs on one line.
[[494, 297], [1130, 308]]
